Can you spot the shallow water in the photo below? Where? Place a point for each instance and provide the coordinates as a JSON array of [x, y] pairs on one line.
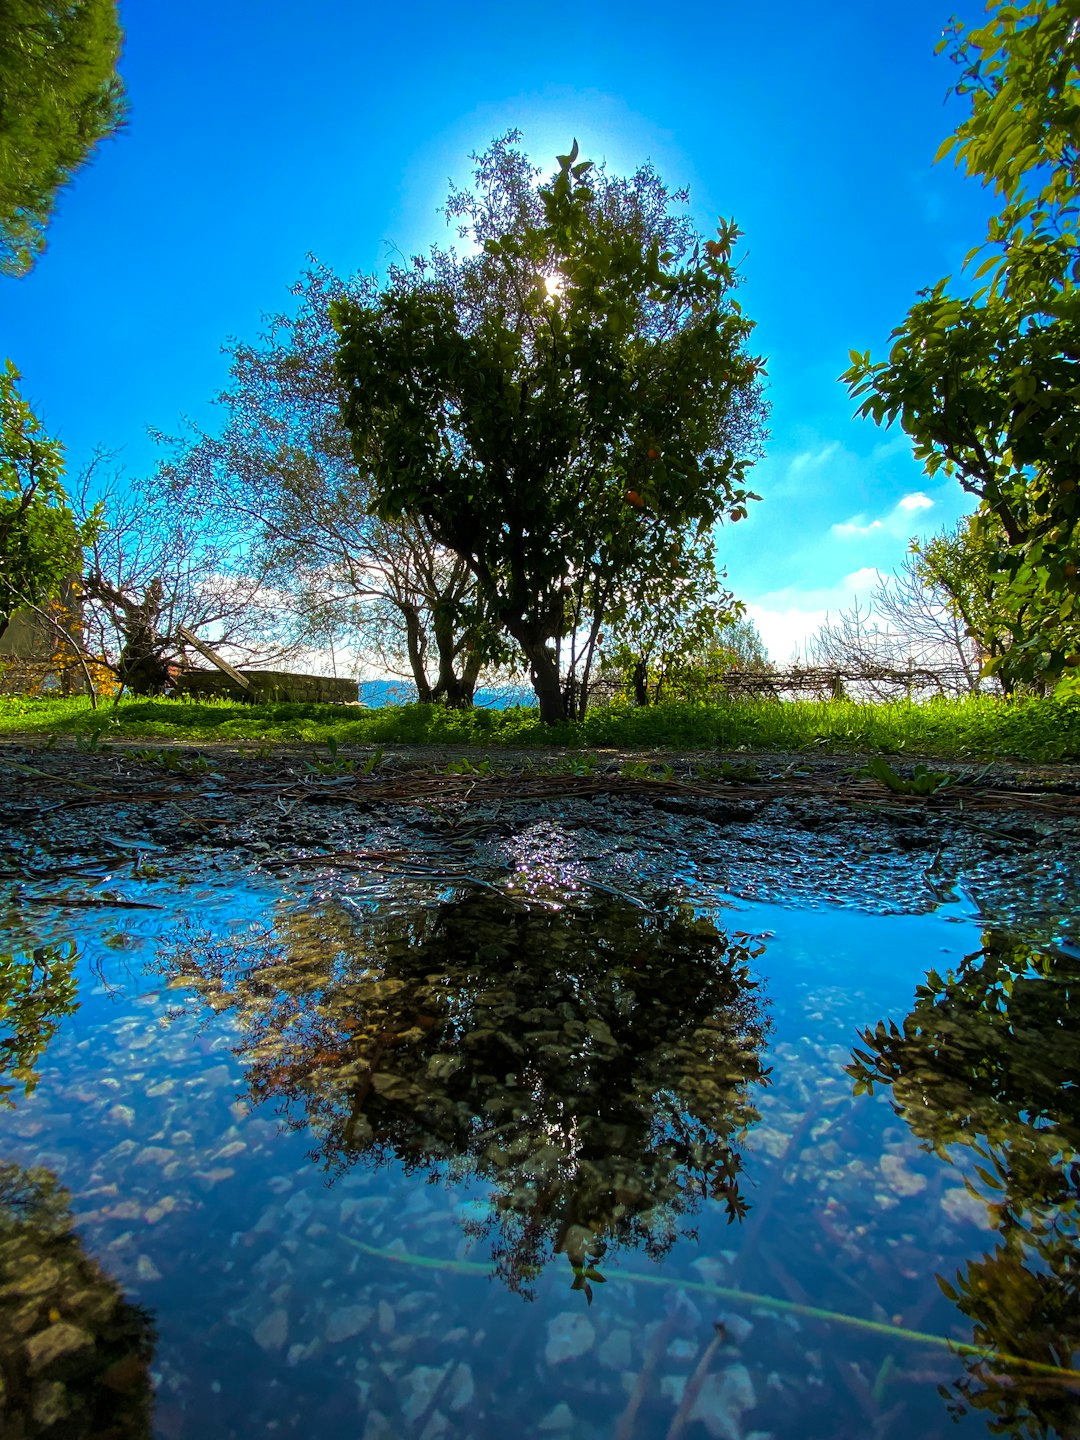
[[363, 1158]]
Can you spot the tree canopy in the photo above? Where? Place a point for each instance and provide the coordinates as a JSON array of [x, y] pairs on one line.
[[40, 539], [987, 381], [568, 403], [59, 96]]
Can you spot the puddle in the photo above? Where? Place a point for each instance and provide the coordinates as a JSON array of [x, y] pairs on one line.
[[539, 1137]]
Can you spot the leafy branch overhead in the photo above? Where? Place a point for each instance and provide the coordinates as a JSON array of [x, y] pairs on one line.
[[41, 539], [59, 97], [986, 380]]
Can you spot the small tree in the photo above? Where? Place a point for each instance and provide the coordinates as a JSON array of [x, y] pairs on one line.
[[153, 567], [936, 620], [987, 384], [41, 539], [562, 407], [280, 477], [660, 628], [960, 569], [59, 97]]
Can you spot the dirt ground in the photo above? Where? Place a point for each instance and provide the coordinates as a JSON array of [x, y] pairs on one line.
[[82, 828]]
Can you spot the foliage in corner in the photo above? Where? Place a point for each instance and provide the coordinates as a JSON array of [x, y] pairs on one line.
[[987, 381], [40, 538], [60, 96]]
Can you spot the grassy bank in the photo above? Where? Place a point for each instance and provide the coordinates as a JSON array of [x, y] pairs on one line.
[[979, 728]]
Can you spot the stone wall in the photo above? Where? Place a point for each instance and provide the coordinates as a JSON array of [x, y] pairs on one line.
[[268, 685]]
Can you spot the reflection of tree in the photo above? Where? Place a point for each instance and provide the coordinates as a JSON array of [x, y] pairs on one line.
[[37, 991], [593, 1067], [987, 1060], [74, 1354]]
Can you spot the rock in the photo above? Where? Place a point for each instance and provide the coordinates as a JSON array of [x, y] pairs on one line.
[[672, 1388], [209, 1178], [272, 1330], [616, 1351], [570, 1335], [122, 1115], [298, 1207], [557, 1420], [682, 1351], [126, 1210], [153, 1155], [347, 1321], [737, 1328], [459, 1393], [35, 1280], [721, 1401], [901, 1180], [420, 1386], [50, 1405], [50, 1344], [387, 1318], [436, 1427], [165, 1206]]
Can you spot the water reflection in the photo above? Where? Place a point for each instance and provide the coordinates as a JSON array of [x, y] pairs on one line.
[[74, 1354], [594, 1067], [984, 1071], [38, 991]]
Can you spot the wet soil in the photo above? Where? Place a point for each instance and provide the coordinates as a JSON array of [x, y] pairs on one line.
[[806, 828]]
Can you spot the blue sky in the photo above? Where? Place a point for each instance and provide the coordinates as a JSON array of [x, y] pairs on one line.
[[261, 131]]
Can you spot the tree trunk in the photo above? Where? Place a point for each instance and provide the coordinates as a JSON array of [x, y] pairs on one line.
[[454, 688], [544, 673], [415, 641], [639, 680]]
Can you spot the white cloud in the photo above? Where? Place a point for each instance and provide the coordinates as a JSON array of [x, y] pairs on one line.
[[847, 528], [895, 522], [788, 617], [813, 459], [915, 501]]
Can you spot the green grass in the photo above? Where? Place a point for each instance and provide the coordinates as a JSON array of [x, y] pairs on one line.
[[979, 728]]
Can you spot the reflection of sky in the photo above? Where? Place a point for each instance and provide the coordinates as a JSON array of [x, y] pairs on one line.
[[124, 1082]]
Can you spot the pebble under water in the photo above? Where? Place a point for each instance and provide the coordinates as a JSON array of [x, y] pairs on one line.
[[356, 1154]]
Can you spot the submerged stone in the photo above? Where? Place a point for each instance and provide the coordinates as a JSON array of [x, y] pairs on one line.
[[272, 1331], [570, 1335], [347, 1321]]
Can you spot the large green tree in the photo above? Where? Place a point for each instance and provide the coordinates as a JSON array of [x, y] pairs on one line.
[[59, 96], [987, 381], [40, 539], [563, 405]]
